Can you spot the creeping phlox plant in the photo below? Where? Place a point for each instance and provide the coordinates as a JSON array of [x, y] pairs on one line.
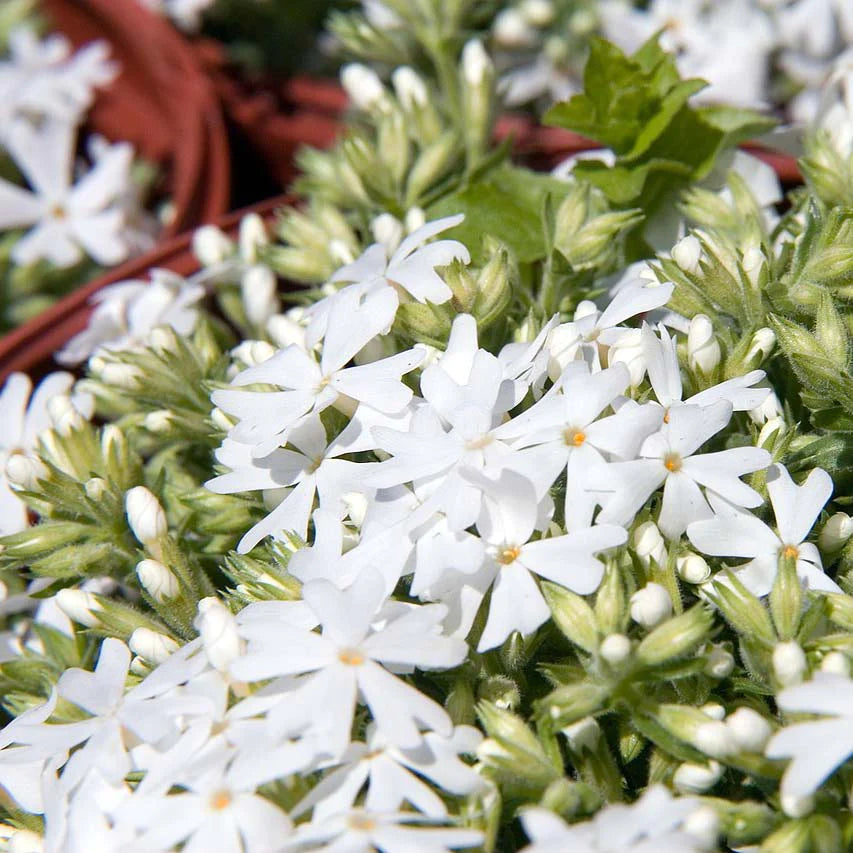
[[62, 217], [520, 528]]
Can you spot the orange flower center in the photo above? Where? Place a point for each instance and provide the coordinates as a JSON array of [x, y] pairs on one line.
[[672, 462], [351, 657], [220, 800], [508, 555], [574, 437], [791, 552]]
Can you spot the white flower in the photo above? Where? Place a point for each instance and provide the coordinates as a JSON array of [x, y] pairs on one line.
[[349, 658], [309, 387], [656, 822], [734, 533], [41, 79], [669, 459], [389, 772], [126, 313], [817, 747], [360, 831], [22, 418], [67, 220]]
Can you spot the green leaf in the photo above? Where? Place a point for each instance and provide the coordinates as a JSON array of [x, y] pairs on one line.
[[508, 205], [737, 125]]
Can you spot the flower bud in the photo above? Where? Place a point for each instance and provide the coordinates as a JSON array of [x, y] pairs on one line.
[[387, 230], [145, 515], [749, 729], [837, 530], [221, 420], [715, 739], [363, 87], [692, 778], [211, 246], [126, 376], [572, 615], [719, 663], [676, 636], [64, 417], [159, 421], [218, 630], [649, 544], [157, 580], [583, 735], [789, 663], [79, 606], [259, 289], [153, 646], [284, 331], [537, 13], [96, 488], [761, 345], [510, 29], [772, 428], [410, 88], [252, 237], [615, 648], [24, 472], [753, 261], [651, 605], [703, 348], [836, 662], [797, 807], [686, 253], [163, 340], [415, 218], [714, 710], [692, 568], [769, 408]]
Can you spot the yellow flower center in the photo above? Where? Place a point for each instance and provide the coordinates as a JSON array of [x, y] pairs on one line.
[[480, 443], [666, 416], [57, 211], [672, 462], [508, 555], [351, 657], [362, 823], [574, 437], [790, 551], [220, 800]]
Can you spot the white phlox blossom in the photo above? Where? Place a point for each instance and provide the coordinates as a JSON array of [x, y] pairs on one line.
[[127, 312], [668, 458], [67, 221], [42, 79], [656, 822], [408, 273], [310, 385], [348, 660], [736, 533], [816, 747]]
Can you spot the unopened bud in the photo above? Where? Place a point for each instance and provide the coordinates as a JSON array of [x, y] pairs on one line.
[[159, 421], [837, 530], [703, 348], [218, 630], [24, 472], [476, 64], [583, 735], [714, 710], [253, 236], [676, 636], [363, 86], [789, 663], [120, 375], [153, 646], [687, 253], [157, 580], [703, 825], [145, 515], [719, 663], [715, 739], [510, 29], [692, 568], [538, 13], [211, 246], [415, 218], [797, 807], [79, 606], [772, 428], [615, 648], [692, 778], [387, 230], [410, 88], [651, 605], [96, 488], [259, 288], [64, 417], [761, 345], [163, 339], [649, 544], [837, 663], [749, 729]]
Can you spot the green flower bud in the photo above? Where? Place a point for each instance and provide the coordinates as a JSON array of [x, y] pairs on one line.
[[572, 615], [676, 637], [570, 703], [431, 165]]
